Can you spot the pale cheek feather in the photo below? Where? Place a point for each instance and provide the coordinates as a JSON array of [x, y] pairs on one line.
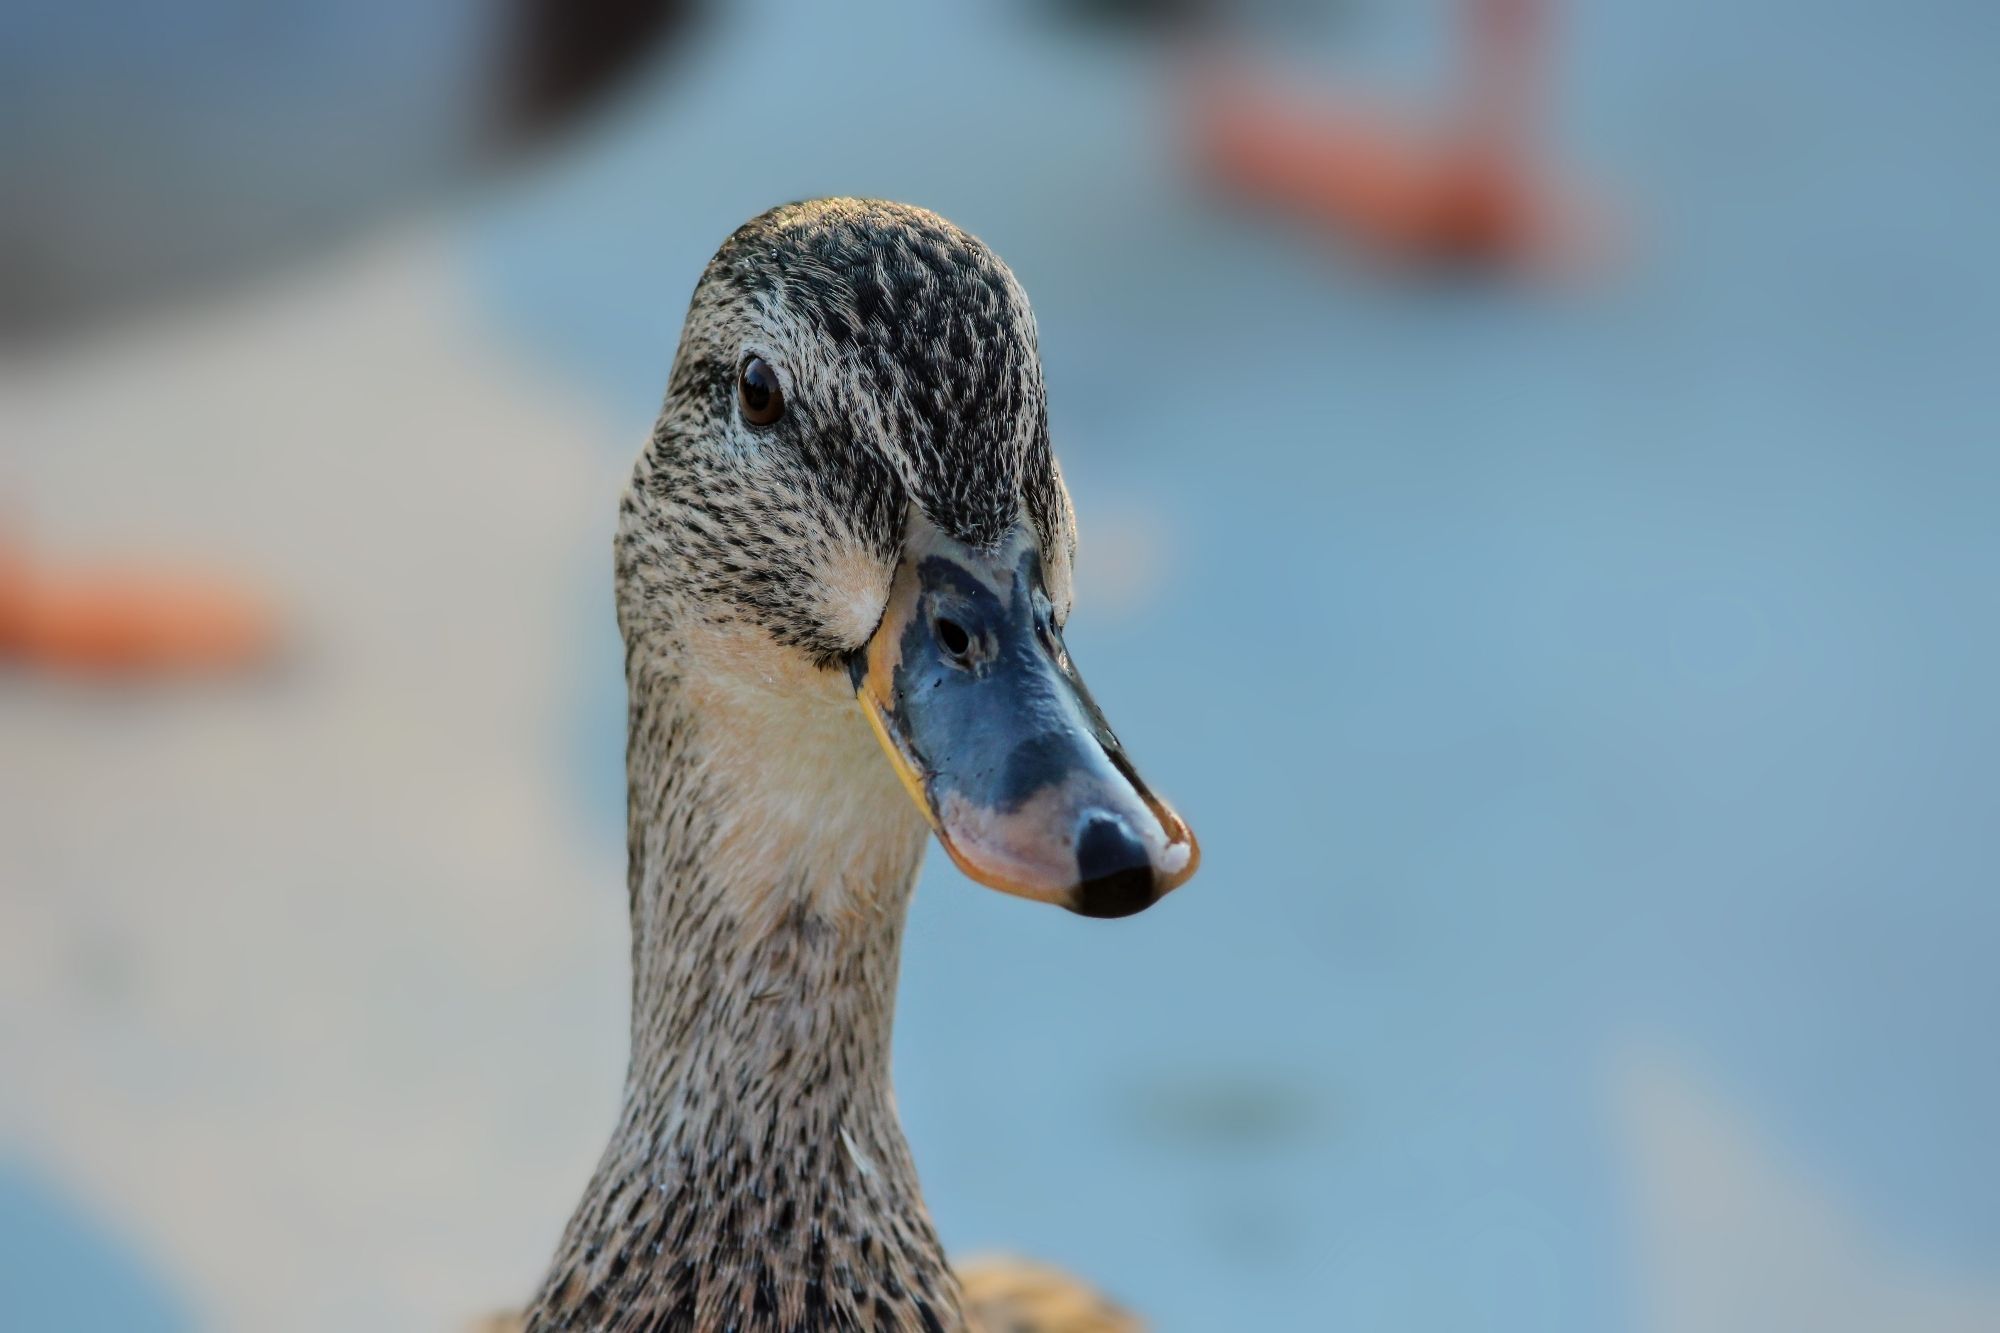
[[854, 588], [796, 769], [1058, 562]]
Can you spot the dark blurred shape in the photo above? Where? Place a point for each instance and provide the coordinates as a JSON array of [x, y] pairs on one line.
[[1182, 16], [1223, 1111], [1143, 14], [568, 56], [170, 159], [195, 144]]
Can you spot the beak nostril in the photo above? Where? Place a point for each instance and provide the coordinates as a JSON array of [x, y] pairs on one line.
[[953, 636]]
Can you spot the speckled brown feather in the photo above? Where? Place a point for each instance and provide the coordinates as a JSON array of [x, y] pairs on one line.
[[1002, 1295]]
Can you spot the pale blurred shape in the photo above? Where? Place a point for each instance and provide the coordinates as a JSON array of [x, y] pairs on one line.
[[311, 986], [1735, 1238]]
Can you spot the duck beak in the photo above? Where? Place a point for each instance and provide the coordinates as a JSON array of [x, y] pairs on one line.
[[975, 700]]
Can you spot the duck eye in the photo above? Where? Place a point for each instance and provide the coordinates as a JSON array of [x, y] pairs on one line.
[[957, 642], [757, 392]]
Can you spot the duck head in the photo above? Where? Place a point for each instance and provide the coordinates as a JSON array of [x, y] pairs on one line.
[[849, 523]]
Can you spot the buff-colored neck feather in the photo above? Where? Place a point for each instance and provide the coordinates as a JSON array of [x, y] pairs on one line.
[[758, 1177]]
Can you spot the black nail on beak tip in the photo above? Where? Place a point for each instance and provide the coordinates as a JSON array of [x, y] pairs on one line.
[[1116, 874]]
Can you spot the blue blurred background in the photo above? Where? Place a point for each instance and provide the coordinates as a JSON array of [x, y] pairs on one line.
[[1584, 692]]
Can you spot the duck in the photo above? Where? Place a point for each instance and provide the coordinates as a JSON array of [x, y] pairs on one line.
[[523, 78], [843, 568]]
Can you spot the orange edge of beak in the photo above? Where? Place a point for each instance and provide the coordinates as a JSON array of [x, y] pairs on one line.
[[1177, 832]]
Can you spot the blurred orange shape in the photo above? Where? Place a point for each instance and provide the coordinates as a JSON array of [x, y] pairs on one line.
[[1461, 189], [128, 621]]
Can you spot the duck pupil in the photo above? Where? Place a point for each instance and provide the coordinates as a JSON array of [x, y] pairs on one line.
[[757, 387], [953, 636]]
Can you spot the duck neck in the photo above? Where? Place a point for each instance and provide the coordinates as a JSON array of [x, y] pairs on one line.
[[758, 1177]]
